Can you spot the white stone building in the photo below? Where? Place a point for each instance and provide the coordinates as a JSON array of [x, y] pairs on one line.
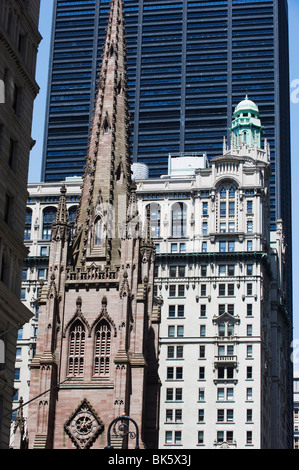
[[219, 275], [224, 349]]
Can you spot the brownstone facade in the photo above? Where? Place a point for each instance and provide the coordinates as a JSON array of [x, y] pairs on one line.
[[98, 332]]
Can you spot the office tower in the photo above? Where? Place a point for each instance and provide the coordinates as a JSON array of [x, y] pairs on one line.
[[98, 332], [19, 40]]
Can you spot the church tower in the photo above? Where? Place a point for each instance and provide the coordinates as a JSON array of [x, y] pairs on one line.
[[98, 330]]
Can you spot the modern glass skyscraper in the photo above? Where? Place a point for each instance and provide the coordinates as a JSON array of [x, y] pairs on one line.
[[189, 64]]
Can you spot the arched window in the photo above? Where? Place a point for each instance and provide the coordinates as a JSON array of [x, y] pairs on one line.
[[98, 232], [155, 211], [76, 349], [179, 216], [28, 221], [49, 216], [102, 349]]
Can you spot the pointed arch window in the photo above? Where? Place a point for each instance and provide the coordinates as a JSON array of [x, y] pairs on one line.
[[76, 349], [102, 349], [98, 231]]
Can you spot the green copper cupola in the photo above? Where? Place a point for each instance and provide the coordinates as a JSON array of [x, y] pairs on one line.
[[246, 127]]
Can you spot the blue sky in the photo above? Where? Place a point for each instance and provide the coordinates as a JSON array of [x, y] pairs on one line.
[[39, 116]]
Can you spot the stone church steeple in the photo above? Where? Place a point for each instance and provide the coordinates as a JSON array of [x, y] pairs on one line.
[[107, 180], [98, 331]]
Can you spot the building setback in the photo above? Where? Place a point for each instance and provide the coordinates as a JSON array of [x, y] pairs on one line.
[[19, 40]]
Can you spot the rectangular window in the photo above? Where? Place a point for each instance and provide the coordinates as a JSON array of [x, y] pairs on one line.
[[200, 437], [249, 269], [180, 331], [204, 271], [249, 437], [172, 291], [220, 416], [202, 330], [231, 270], [201, 394], [222, 247], [201, 373], [43, 251], [182, 247], [231, 209], [181, 310], [231, 227], [178, 416], [203, 290], [179, 352], [249, 245], [249, 310], [171, 311], [204, 228], [231, 247], [181, 290], [171, 331], [204, 247], [174, 248], [230, 289], [172, 271], [203, 310], [221, 289], [182, 271], [249, 226], [249, 207], [222, 227], [202, 352], [170, 352], [204, 208], [201, 416], [223, 209], [222, 270], [249, 289]]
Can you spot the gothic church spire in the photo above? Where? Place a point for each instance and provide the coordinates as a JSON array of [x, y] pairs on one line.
[[107, 180]]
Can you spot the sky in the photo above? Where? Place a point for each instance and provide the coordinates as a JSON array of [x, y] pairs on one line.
[[39, 119]]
